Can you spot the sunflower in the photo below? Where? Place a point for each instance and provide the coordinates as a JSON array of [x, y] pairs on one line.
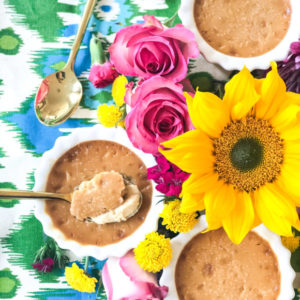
[[243, 156]]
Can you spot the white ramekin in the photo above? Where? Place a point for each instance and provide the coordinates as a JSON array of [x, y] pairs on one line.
[[186, 14], [282, 254], [64, 143]]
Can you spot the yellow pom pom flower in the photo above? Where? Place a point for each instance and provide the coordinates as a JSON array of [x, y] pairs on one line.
[[291, 242], [154, 253], [175, 220], [119, 89], [109, 115], [78, 280]]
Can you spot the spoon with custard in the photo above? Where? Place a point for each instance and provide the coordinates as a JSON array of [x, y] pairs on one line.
[[107, 198]]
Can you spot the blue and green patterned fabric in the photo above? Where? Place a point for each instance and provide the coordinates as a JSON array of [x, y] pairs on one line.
[[35, 40]]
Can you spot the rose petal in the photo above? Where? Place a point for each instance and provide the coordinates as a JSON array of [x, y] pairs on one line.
[[130, 267]]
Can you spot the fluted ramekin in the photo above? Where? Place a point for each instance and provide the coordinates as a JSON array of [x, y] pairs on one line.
[[186, 14], [63, 144], [287, 274]]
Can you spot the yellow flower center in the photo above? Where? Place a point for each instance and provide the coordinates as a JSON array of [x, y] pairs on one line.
[[248, 154]]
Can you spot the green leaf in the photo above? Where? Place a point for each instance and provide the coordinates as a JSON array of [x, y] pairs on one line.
[[202, 81]]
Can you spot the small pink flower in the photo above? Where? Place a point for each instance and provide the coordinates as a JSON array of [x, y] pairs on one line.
[[149, 49], [102, 75], [45, 266], [124, 279], [169, 178], [159, 112]]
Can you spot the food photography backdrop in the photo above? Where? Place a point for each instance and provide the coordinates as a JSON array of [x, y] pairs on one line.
[[35, 41]]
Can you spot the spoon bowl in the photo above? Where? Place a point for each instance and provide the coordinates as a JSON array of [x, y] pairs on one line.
[[58, 97]]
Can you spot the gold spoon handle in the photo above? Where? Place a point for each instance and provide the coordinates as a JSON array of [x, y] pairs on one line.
[[6, 193], [84, 21]]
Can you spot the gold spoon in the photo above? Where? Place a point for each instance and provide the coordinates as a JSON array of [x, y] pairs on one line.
[[108, 217], [7, 193], [60, 93]]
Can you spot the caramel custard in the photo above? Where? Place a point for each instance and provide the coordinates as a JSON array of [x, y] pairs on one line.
[[81, 163], [243, 28], [212, 267]]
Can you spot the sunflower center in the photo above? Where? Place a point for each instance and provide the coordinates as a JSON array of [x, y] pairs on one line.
[[248, 154]]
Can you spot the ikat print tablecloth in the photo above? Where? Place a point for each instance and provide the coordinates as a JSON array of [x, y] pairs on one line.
[[35, 40]]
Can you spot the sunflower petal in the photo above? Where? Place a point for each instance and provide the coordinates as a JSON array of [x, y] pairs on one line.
[[273, 93], [240, 221], [286, 118], [292, 149], [193, 190], [291, 133], [276, 211], [207, 113], [240, 94], [219, 202], [191, 203], [200, 184], [192, 152], [290, 176]]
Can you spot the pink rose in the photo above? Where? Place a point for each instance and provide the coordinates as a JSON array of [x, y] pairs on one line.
[[102, 75], [123, 279], [149, 49], [159, 112]]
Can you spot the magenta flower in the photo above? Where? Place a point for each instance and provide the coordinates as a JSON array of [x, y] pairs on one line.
[[45, 266], [289, 69], [159, 112], [102, 75], [150, 49], [124, 279], [169, 178]]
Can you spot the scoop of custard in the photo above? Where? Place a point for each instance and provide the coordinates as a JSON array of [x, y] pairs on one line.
[[106, 198]]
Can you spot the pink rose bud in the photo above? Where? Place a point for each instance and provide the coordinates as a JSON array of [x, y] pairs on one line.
[[124, 279], [149, 49], [102, 75]]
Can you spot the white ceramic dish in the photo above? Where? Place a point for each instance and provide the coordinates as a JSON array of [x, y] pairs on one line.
[[282, 254], [64, 143], [186, 14]]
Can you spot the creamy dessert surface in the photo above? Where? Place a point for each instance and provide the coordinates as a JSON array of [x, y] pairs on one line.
[[82, 163], [243, 28], [130, 206], [102, 193], [212, 267]]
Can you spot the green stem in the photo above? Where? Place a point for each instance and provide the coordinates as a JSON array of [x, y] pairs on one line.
[[86, 264]]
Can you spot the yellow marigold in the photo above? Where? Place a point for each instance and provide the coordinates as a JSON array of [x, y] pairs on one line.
[[109, 115], [291, 242], [78, 280], [119, 89], [176, 220], [154, 253]]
